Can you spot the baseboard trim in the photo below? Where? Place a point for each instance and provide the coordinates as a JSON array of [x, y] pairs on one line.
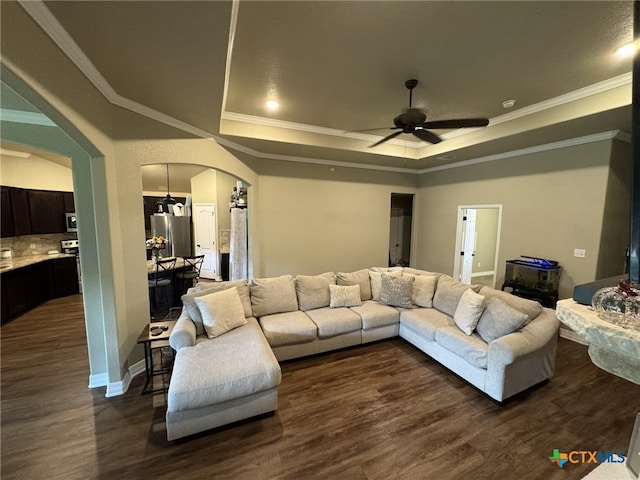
[[98, 380], [118, 388], [137, 368], [573, 336]]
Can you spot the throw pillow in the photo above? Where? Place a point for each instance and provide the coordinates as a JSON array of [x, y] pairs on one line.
[[273, 295], [221, 311], [424, 287], [361, 277], [313, 291], [188, 299], [531, 308], [498, 320], [396, 291], [448, 293], [468, 311], [376, 281], [344, 296]]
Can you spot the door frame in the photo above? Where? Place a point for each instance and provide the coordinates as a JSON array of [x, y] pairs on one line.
[[216, 255], [457, 261]]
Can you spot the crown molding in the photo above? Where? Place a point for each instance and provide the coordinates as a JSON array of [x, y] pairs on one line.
[[47, 21], [597, 137]]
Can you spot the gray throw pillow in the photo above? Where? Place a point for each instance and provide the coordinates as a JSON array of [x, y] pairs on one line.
[[448, 293], [396, 291], [498, 320]]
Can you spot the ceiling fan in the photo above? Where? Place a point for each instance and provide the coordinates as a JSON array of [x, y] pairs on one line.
[[413, 120]]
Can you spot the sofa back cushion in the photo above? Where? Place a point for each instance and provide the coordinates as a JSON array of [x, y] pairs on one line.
[[273, 295], [448, 293], [360, 277], [530, 308], [188, 299], [313, 291]]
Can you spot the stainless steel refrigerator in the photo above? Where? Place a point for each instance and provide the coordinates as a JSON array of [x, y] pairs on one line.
[[177, 231]]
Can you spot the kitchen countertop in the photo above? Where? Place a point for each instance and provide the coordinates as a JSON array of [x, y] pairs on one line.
[[8, 265]]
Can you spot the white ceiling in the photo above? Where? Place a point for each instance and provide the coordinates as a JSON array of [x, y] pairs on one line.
[[338, 67]]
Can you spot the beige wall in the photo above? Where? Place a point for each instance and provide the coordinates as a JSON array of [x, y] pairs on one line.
[[312, 220], [553, 202], [36, 173]]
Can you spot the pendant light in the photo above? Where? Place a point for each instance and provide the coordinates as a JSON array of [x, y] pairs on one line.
[[168, 200]]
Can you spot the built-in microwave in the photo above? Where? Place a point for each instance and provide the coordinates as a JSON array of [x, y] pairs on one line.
[[71, 222]]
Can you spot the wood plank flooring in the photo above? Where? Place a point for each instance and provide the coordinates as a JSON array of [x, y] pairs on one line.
[[378, 411]]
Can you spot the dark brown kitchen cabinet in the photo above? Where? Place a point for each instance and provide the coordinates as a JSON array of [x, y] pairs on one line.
[[15, 212], [30, 286], [46, 209], [69, 202], [64, 272], [7, 228]]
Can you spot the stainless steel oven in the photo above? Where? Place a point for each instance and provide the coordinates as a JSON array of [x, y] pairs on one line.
[[73, 247]]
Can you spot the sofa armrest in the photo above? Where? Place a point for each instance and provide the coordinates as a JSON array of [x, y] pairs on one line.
[[184, 332], [534, 336]]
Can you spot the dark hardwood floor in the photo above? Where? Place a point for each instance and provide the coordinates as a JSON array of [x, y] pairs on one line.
[[378, 411]]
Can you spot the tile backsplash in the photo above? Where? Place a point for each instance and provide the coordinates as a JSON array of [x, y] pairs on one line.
[[35, 244]]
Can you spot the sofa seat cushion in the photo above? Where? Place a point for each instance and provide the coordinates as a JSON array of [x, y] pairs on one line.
[[471, 348], [235, 365], [374, 314], [425, 321], [334, 321], [288, 328]]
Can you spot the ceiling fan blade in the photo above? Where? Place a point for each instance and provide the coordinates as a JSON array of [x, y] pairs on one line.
[[427, 136], [457, 123], [371, 129], [388, 137]]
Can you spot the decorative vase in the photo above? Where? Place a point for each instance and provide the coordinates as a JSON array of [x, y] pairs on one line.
[[619, 305], [155, 254]]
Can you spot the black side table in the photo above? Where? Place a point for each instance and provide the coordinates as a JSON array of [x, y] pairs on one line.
[[155, 335]]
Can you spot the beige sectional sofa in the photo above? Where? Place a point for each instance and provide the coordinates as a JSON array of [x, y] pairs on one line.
[[230, 336]]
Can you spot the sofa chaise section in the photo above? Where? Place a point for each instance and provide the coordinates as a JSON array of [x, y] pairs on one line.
[[221, 380]]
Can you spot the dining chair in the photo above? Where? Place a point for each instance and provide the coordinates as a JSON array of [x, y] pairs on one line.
[[161, 277], [191, 272]]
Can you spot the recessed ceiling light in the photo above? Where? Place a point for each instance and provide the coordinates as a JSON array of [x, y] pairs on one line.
[[508, 103], [626, 50], [272, 105]]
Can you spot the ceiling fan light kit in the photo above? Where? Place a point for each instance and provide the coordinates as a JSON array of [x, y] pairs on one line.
[[414, 121]]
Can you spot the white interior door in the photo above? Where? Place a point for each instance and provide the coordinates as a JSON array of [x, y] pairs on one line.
[[204, 218], [477, 244], [469, 244]]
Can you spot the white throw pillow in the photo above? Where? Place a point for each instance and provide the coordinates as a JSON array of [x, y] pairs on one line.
[[468, 311], [424, 287], [344, 296], [221, 311]]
